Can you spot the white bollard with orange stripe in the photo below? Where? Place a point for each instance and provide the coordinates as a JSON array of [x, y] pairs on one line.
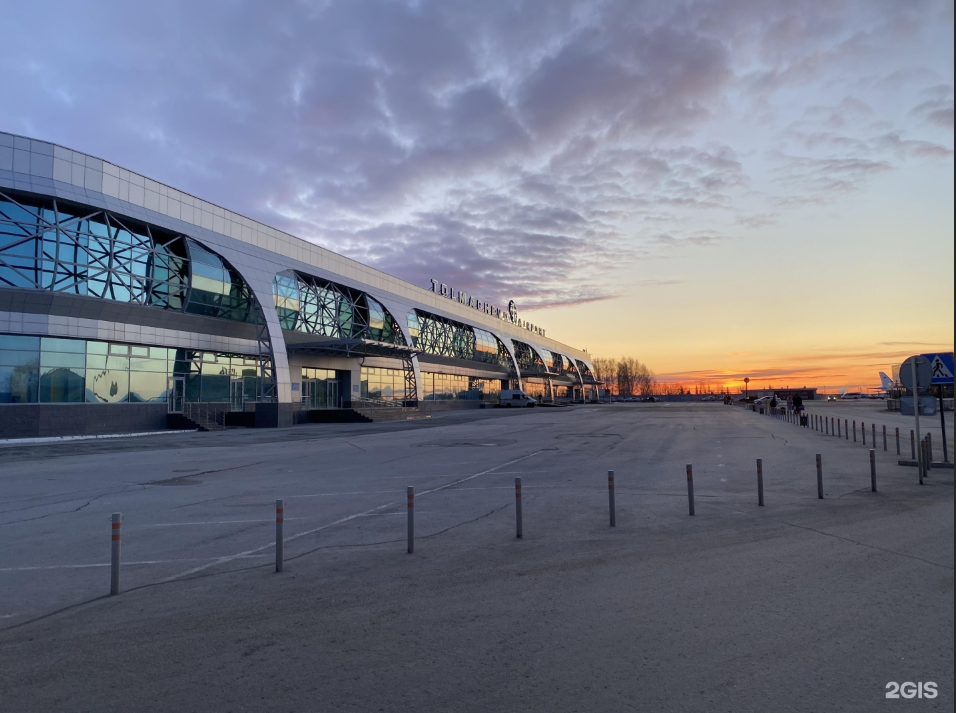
[[280, 534], [117, 539]]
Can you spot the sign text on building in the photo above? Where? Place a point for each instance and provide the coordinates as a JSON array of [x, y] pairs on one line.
[[506, 315]]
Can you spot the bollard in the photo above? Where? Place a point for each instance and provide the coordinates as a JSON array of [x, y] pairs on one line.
[[116, 530], [863, 431], [839, 432], [873, 431], [913, 443], [819, 476], [929, 448], [760, 481], [897, 441], [884, 438], [873, 469], [280, 534], [846, 428], [518, 523], [610, 496], [410, 494], [920, 462], [826, 425], [690, 487], [854, 431]]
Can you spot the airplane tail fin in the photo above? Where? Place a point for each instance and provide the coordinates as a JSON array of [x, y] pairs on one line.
[[886, 382]]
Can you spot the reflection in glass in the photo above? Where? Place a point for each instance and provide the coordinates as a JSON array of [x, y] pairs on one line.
[[18, 383], [147, 386], [107, 386], [62, 385]]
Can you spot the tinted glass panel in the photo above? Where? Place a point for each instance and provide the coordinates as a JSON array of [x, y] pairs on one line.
[[62, 385]]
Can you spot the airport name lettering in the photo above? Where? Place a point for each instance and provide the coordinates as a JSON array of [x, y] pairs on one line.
[[511, 314], [909, 689]]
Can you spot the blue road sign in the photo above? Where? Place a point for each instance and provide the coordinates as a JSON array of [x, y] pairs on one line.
[[941, 367]]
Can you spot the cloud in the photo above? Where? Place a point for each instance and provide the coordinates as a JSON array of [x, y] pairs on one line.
[[937, 111], [535, 150]]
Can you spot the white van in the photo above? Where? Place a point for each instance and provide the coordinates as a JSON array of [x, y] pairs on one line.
[[514, 398]]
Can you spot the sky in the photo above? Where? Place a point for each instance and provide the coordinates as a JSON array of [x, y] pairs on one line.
[[719, 188]]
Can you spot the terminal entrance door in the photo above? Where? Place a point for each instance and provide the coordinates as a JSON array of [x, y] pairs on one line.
[[176, 390], [321, 393], [236, 394]]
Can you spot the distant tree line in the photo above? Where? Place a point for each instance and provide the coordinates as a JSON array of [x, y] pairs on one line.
[[625, 376]]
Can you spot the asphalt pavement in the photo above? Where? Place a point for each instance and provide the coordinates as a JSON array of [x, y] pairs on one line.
[[801, 605]]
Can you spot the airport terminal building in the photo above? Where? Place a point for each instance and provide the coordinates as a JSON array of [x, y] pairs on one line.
[[127, 305]]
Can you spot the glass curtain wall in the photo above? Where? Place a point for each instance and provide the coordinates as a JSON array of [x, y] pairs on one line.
[[55, 245], [444, 337], [308, 304], [529, 362], [55, 370], [447, 387], [383, 384]]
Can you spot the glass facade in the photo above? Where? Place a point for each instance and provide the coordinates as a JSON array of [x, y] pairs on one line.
[[447, 387], [383, 384], [529, 361], [444, 337], [48, 244], [585, 371], [56, 370], [307, 304]]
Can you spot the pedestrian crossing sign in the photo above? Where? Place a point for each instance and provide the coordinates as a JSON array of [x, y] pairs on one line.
[[941, 367]]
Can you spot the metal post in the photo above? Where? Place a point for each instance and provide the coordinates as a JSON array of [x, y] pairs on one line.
[[410, 493], [873, 432], [922, 460], [897, 441], [839, 432], [116, 530], [690, 487], [929, 446], [760, 481], [913, 444], [280, 534], [519, 530], [610, 496], [919, 438], [942, 426], [873, 469], [819, 476], [854, 431], [884, 438], [826, 425], [863, 431], [846, 428]]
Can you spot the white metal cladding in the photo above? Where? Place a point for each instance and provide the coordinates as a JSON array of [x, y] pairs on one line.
[[256, 251]]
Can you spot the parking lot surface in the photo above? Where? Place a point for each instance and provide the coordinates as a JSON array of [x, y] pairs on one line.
[[803, 604]]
